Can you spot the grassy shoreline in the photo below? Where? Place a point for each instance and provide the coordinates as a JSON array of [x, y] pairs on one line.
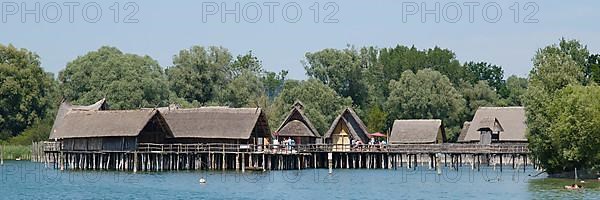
[[12, 152]]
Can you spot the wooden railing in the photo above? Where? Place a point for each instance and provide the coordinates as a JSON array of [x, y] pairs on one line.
[[316, 148], [312, 148], [52, 146]]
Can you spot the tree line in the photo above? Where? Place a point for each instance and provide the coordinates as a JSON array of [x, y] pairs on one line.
[[381, 84]]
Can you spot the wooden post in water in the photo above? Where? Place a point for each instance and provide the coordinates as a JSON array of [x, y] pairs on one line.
[[243, 163], [223, 159], [524, 162], [329, 158], [135, 163], [263, 162], [501, 155], [1, 154], [61, 161], [237, 161]]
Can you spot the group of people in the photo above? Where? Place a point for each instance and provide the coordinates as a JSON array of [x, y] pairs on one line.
[[372, 142], [287, 143]]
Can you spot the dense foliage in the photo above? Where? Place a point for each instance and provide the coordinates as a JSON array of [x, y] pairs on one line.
[[562, 114], [127, 81], [425, 95], [25, 90]]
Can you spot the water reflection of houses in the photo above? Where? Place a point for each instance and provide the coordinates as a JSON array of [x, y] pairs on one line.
[[492, 125]]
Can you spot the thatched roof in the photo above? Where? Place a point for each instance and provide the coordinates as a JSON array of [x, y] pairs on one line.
[[113, 123], [463, 131], [415, 131], [304, 128], [491, 124], [511, 118], [356, 126], [295, 128], [216, 122], [66, 107]]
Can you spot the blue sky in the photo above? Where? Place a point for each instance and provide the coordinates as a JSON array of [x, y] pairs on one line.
[[165, 27]]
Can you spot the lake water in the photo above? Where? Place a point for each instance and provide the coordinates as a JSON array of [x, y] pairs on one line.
[[27, 180]]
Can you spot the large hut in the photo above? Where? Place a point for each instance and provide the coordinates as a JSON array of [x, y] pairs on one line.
[[65, 107], [346, 127], [108, 130], [496, 125], [217, 125], [418, 131], [298, 127]]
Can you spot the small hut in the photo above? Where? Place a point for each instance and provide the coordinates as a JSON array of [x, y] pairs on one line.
[[114, 130], [217, 125], [418, 131], [496, 125], [347, 127], [298, 127], [489, 130]]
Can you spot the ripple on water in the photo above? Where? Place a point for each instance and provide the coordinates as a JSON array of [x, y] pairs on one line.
[[26, 180]]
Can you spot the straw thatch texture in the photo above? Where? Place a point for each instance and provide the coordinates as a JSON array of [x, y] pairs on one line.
[[512, 120], [417, 131], [65, 107], [117, 123], [217, 122], [304, 128]]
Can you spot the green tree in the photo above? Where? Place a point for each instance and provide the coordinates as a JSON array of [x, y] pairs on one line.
[[376, 119], [445, 62], [128, 81], [25, 90], [516, 88], [574, 49], [273, 83], [396, 60], [340, 70], [322, 104], [428, 94], [477, 95], [573, 135], [593, 68], [483, 71], [552, 71], [244, 90], [245, 63], [374, 75], [198, 74]]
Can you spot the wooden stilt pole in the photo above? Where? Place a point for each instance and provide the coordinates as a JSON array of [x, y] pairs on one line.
[[329, 158], [135, 163], [237, 162], [243, 163]]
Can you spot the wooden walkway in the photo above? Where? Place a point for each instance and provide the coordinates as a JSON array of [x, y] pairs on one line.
[[158, 157], [448, 148]]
